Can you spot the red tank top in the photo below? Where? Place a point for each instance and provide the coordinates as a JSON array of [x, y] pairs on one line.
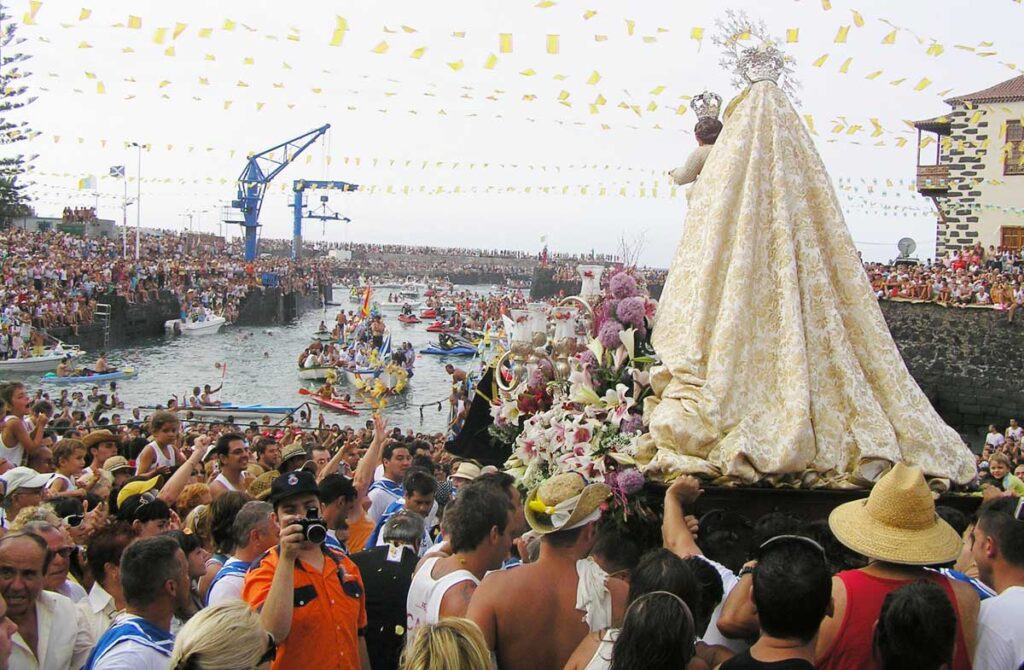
[[853, 649]]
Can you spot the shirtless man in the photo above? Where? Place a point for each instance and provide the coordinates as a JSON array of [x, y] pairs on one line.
[[528, 615]]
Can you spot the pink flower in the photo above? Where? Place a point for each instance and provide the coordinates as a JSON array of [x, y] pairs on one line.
[[631, 311], [609, 334], [622, 285]]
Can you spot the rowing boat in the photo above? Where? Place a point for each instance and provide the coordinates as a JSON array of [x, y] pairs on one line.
[[123, 373], [330, 403], [47, 362]]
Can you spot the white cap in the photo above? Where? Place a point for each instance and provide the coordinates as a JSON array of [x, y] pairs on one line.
[[23, 478]]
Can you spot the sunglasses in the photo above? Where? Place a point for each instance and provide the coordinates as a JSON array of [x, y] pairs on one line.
[[73, 520]]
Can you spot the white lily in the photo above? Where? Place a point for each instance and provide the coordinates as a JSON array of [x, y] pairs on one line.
[[628, 339]]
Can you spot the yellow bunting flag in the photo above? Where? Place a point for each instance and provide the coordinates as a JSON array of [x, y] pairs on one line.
[[890, 38], [169, 51], [227, 105], [341, 25], [460, 34], [135, 22], [544, 4], [697, 34], [877, 126], [923, 84], [179, 28], [248, 60], [229, 25], [381, 48], [552, 44], [164, 84], [589, 14], [897, 82], [809, 120], [418, 53], [841, 35], [820, 61], [160, 35], [600, 38], [491, 61], [204, 33], [409, 29], [792, 35], [90, 75], [528, 72], [657, 90], [100, 88], [858, 20], [594, 78], [505, 43], [935, 49], [630, 26], [845, 67], [456, 65], [84, 45], [209, 57], [826, 4], [84, 14], [874, 75], [203, 81]]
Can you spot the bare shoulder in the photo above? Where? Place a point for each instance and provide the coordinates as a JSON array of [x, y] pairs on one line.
[[580, 658]]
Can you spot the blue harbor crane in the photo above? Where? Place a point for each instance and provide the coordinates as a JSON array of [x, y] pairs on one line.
[[300, 186], [259, 171]]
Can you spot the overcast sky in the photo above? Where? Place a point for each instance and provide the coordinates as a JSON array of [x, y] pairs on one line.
[[267, 71]]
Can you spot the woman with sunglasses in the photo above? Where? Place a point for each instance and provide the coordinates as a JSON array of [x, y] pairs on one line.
[[223, 637]]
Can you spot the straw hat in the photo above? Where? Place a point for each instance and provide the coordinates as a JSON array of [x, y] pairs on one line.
[[897, 522], [97, 436], [564, 502], [116, 464], [293, 450], [259, 488], [467, 470]]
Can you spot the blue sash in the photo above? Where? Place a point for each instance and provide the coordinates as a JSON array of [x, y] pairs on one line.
[[333, 542], [227, 569], [394, 488], [371, 541], [136, 630]]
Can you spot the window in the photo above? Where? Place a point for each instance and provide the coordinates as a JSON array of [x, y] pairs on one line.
[[1012, 237], [1013, 162]]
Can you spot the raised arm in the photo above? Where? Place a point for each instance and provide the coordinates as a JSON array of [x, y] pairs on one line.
[[363, 475], [675, 533], [179, 480]]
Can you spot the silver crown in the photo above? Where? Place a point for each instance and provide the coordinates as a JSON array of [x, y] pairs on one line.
[[707, 105], [761, 63]]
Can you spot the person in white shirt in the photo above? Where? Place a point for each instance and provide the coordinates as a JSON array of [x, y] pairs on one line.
[[106, 598], [61, 548], [396, 459], [255, 532], [154, 575], [994, 438], [51, 634], [1014, 432], [997, 544]]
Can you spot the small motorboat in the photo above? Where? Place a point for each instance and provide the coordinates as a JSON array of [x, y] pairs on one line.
[[316, 373], [330, 403], [211, 325], [457, 350], [409, 318], [123, 373], [441, 327], [323, 336], [47, 362], [429, 313]]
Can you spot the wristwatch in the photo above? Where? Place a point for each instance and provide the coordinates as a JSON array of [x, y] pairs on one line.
[[746, 570]]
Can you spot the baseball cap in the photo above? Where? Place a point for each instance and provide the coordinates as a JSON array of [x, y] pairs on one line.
[[24, 478], [135, 488], [291, 484]]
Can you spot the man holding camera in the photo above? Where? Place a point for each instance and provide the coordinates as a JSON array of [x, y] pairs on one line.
[[310, 596]]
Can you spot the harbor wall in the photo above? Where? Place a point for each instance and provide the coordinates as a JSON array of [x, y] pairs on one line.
[[129, 322], [274, 306]]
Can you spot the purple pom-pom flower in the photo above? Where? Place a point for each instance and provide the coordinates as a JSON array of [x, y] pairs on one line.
[[631, 311], [609, 334], [630, 481], [631, 425], [622, 285]]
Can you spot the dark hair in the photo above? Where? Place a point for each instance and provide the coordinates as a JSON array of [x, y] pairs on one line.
[[389, 450], [145, 566], [143, 510], [40, 542], [222, 519], [419, 445], [224, 443], [106, 546], [64, 506], [996, 519], [188, 542], [661, 570], [42, 407], [709, 584], [916, 628], [707, 130], [7, 391], [839, 556], [470, 517], [262, 444], [336, 486], [725, 538], [419, 481], [618, 552], [954, 517], [161, 418], [500, 481], [562, 538], [135, 447], [792, 588], [657, 633], [772, 525], [425, 463]]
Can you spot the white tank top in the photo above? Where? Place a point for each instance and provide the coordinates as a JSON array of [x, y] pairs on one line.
[[425, 594], [14, 454], [160, 458], [226, 483], [602, 658], [68, 484]]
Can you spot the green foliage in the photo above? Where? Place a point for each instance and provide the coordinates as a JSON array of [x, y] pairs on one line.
[[14, 201]]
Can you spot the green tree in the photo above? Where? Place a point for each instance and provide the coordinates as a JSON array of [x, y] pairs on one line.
[[14, 201]]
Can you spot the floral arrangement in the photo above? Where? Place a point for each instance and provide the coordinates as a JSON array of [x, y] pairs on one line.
[[590, 422]]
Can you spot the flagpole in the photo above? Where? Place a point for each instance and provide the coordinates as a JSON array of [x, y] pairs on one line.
[[124, 215]]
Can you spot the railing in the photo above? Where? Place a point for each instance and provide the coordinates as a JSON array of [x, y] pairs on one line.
[[931, 178]]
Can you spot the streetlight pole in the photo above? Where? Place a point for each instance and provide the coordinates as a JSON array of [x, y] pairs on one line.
[[138, 199], [124, 215]]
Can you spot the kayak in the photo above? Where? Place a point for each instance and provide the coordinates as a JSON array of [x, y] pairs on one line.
[[457, 350], [409, 318], [123, 373], [330, 403]]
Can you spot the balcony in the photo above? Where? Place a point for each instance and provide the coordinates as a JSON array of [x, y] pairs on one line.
[[932, 180]]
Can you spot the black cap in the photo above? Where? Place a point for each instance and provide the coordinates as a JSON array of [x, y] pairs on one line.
[[292, 483]]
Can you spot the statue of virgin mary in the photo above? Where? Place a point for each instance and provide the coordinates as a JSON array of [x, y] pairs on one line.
[[776, 362]]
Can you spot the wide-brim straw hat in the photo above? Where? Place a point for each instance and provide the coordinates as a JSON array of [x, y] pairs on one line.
[[97, 436], [897, 522], [259, 488], [467, 470], [568, 488]]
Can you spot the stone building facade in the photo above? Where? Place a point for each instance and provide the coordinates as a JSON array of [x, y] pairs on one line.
[[977, 178]]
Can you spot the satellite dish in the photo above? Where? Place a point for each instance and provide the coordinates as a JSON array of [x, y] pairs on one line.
[[906, 247]]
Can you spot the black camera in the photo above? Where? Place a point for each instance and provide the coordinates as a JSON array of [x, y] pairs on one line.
[[313, 527]]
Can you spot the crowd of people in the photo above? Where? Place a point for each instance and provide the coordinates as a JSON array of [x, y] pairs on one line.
[[162, 542], [79, 214]]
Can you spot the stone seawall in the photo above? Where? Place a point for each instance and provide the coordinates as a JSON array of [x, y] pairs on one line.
[[129, 322], [273, 306]]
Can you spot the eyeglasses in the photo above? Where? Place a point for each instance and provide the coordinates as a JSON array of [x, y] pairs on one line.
[[64, 552], [779, 539]]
